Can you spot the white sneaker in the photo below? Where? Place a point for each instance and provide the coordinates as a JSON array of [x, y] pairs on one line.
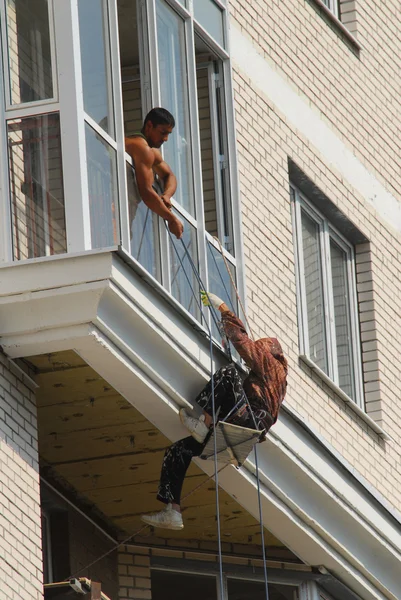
[[168, 518], [196, 427]]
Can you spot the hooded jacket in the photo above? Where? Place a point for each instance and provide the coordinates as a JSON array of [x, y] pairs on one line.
[[266, 383]]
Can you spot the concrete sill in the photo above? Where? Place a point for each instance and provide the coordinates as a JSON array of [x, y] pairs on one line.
[[339, 392], [337, 23]]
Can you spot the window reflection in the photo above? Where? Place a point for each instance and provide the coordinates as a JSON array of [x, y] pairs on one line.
[[93, 19], [184, 285], [174, 97], [36, 183], [145, 246], [102, 185], [30, 61]]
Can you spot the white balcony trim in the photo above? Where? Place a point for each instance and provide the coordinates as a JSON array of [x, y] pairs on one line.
[[124, 329]]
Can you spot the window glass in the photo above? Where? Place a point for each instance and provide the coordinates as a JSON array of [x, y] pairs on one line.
[[36, 184], [182, 586], [332, 5], [174, 97], [145, 247], [314, 291], [342, 318], [239, 589], [213, 143], [30, 60], [95, 59], [220, 283], [210, 16], [102, 185], [184, 285]]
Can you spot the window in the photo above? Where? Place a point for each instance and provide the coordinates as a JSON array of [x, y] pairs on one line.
[[175, 57], [206, 586], [328, 317], [36, 186], [333, 6], [30, 49]]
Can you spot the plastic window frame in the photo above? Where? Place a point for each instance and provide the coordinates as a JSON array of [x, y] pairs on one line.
[[37, 104], [327, 232], [190, 28], [306, 590]]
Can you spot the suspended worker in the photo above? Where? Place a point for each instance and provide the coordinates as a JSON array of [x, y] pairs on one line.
[[143, 147], [264, 387]]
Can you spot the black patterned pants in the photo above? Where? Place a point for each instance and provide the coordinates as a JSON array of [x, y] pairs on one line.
[[228, 392]]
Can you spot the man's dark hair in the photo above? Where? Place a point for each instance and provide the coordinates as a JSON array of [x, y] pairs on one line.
[[159, 116]]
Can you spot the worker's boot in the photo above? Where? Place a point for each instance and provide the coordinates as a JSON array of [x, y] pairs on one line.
[[168, 518], [196, 427]]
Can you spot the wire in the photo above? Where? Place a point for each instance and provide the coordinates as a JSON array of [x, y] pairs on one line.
[[262, 529], [235, 288], [114, 548], [216, 472]]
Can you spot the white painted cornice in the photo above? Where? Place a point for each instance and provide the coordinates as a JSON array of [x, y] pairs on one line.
[[134, 338]]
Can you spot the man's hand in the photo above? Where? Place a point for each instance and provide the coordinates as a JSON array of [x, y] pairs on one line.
[[209, 299], [175, 226], [166, 201]]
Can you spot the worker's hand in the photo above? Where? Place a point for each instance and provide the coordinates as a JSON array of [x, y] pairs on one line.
[[175, 226], [166, 201], [209, 299]]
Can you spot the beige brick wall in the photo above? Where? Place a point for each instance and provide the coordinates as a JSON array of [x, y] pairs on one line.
[[357, 98], [20, 530], [134, 573]]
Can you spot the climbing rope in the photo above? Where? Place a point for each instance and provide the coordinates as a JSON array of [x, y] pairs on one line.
[[216, 470], [250, 409]]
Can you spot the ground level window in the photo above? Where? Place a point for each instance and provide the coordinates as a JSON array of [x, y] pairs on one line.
[[239, 589], [181, 586]]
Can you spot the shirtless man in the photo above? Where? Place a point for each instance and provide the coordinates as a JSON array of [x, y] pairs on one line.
[[143, 147]]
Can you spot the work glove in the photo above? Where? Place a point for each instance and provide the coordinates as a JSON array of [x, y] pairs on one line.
[[209, 299]]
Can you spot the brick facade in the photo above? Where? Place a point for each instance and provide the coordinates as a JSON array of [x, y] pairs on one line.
[[347, 96], [20, 529]]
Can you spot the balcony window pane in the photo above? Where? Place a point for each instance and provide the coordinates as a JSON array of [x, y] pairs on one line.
[[174, 97], [102, 184], [30, 61], [341, 301], [184, 285], [145, 247], [219, 282], [95, 57], [244, 590], [210, 17], [36, 185], [314, 291]]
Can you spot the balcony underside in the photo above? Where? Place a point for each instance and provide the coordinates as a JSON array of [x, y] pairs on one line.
[[157, 361]]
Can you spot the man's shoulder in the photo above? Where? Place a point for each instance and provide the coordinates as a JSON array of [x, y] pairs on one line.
[[139, 148]]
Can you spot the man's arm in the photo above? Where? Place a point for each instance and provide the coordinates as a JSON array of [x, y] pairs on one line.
[[235, 330], [165, 173], [143, 158]]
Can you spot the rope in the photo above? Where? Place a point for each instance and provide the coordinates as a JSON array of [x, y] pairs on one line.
[[235, 288], [216, 472], [143, 234], [114, 548], [262, 532]]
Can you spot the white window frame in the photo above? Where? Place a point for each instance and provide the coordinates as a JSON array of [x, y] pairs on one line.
[[333, 6], [327, 232], [303, 587], [147, 10], [5, 48]]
